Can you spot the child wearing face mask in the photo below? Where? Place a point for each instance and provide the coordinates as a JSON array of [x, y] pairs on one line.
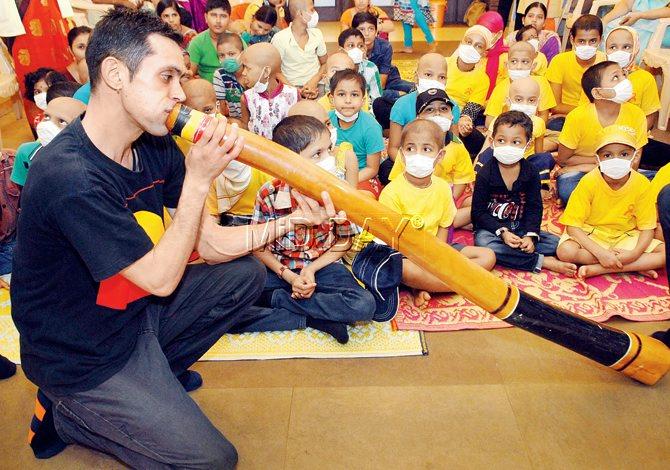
[[530, 35], [36, 85], [524, 96], [567, 68], [266, 100], [427, 201], [262, 27], [347, 91], [468, 84], [336, 61], [307, 284], [611, 216], [228, 90], [352, 43], [507, 204], [455, 167], [519, 64], [608, 91]]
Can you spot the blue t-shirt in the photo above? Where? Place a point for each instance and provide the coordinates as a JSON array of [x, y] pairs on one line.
[[85, 218], [83, 94], [404, 110], [23, 160], [365, 136]]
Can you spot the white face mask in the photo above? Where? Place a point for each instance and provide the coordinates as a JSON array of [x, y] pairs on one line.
[[443, 122], [344, 118], [41, 100], [426, 84], [333, 136], [615, 168], [419, 165], [260, 87], [468, 54], [585, 52], [507, 154], [517, 74], [528, 109], [328, 164], [622, 58], [535, 43], [356, 55], [623, 91], [313, 20], [46, 131]]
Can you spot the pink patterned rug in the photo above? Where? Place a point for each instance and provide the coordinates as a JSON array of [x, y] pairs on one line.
[[630, 296]]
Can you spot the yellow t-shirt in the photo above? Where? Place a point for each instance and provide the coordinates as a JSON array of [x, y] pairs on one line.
[[498, 98], [595, 206], [565, 71], [466, 87], [428, 208], [455, 168], [660, 181], [539, 70], [245, 204], [582, 130], [539, 129], [645, 92]]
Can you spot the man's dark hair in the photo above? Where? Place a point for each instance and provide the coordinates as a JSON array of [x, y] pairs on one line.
[[50, 76], [514, 118], [230, 37], [593, 78], [364, 17], [75, 32], [266, 14], [347, 33], [587, 23], [212, 4], [347, 74], [519, 34], [62, 89], [297, 132], [124, 34]]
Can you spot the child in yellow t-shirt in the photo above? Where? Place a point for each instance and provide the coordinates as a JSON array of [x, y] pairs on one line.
[[522, 57], [608, 91], [426, 201], [526, 34], [566, 69], [524, 96], [610, 218], [455, 167]]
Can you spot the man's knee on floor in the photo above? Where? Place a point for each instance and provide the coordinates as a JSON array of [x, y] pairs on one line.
[[225, 457]]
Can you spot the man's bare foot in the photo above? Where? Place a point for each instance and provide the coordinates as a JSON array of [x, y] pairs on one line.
[[558, 266], [421, 298], [590, 270], [650, 273], [407, 50]]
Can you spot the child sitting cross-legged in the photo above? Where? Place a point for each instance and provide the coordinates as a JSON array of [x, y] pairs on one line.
[[307, 283], [507, 205], [611, 216], [426, 201], [266, 100], [347, 91]]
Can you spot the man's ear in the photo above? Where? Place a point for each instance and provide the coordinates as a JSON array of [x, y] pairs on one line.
[[112, 71]]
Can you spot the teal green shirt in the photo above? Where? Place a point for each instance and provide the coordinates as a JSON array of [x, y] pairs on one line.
[[203, 54], [365, 136], [24, 156]]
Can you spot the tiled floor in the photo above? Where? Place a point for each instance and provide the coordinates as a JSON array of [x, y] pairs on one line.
[[480, 399]]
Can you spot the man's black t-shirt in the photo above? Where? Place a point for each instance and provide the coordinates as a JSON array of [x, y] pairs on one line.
[[84, 218]]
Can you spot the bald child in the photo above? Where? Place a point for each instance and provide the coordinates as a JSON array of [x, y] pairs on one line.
[[266, 100]]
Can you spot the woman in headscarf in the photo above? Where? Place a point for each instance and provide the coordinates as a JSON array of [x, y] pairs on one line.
[[536, 16], [492, 21]]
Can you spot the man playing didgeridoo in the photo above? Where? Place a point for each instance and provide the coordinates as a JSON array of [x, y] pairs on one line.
[[110, 315]]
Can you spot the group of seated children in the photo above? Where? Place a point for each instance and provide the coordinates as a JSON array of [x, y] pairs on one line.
[[455, 158]]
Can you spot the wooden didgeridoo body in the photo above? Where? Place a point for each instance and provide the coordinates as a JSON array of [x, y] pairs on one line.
[[637, 356]]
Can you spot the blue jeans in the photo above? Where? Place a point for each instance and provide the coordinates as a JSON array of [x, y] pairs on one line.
[[420, 21], [663, 202], [556, 124], [516, 259], [338, 297], [566, 184], [6, 251], [543, 161]]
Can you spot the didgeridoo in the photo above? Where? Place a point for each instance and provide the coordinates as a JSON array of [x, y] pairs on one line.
[[637, 356]]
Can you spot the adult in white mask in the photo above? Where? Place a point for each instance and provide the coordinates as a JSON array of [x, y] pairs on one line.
[[610, 219], [608, 90], [58, 114], [621, 46], [566, 69]]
